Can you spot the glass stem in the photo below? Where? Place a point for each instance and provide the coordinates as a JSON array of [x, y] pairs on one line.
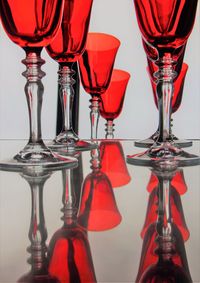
[[94, 115], [165, 90], [34, 93], [109, 129]]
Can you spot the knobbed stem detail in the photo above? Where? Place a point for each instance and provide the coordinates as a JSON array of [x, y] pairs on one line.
[[109, 129], [67, 136], [94, 115]]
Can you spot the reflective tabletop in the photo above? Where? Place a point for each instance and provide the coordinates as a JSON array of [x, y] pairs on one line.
[[103, 221]]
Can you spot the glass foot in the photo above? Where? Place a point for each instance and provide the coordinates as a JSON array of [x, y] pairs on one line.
[[150, 141], [167, 154], [38, 155], [71, 146]]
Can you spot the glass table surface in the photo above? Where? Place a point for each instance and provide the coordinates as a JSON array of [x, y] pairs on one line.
[[103, 221]]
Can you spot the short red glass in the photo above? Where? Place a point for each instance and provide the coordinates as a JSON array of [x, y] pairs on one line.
[[113, 163], [66, 48], [113, 98], [96, 66]]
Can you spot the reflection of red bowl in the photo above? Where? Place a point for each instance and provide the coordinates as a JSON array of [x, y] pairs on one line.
[[113, 163], [178, 182], [176, 212], [98, 209]]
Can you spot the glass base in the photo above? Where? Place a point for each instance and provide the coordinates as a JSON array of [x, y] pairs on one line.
[[165, 154], [69, 146], [38, 155], [150, 141]]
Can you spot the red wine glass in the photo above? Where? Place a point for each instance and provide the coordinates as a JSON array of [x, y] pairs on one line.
[[113, 98], [65, 49], [176, 102], [113, 163], [96, 65], [165, 27], [98, 209], [32, 25]]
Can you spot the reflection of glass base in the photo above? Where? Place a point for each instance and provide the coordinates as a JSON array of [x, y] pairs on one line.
[[167, 154], [150, 141], [67, 147]]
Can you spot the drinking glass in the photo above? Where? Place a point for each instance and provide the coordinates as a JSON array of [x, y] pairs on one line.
[[176, 102], [165, 27], [96, 65], [113, 98], [65, 49], [32, 25]]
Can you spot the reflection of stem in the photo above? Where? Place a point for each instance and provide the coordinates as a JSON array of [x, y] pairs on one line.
[[109, 129], [94, 115], [165, 90]]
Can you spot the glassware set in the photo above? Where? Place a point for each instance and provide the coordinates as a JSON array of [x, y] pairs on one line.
[[61, 27]]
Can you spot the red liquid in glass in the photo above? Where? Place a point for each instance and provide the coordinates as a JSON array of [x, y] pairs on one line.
[[31, 23], [165, 25], [70, 40]]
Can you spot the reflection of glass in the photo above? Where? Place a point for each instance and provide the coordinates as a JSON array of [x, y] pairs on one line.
[[37, 232], [176, 102], [164, 30], [112, 100], [69, 253], [66, 48], [32, 25], [163, 257], [113, 163], [98, 208], [96, 65]]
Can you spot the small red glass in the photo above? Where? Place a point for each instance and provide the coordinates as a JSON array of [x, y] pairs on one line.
[[113, 98], [98, 209], [113, 163], [65, 49], [32, 25], [96, 65]]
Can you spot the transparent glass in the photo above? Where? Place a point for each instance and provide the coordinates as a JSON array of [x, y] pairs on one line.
[[32, 25], [113, 98], [96, 66], [65, 49]]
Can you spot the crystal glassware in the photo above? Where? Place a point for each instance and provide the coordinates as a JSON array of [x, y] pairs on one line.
[[113, 98], [32, 25], [165, 27], [96, 65], [65, 49]]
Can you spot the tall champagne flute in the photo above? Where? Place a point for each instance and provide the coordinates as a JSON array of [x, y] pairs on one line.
[[66, 48], [96, 66], [32, 25], [165, 27]]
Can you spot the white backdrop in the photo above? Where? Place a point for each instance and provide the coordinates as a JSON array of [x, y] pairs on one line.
[[139, 116]]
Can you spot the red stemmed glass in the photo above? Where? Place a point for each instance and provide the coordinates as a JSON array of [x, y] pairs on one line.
[[113, 163], [96, 65], [65, 49], [98, 209], [165, 27], [113, 98], [176, 102], [32, 25]]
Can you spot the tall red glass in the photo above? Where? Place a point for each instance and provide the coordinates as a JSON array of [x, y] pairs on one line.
[[66, 48], [32, 25], [113, 98], [96, 65]]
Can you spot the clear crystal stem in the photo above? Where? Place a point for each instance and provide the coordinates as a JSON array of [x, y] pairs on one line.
[[110, 129], [94, 115]]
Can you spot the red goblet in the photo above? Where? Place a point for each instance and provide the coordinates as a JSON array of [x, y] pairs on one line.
[[113, 163], [98, 209], [165, 27], [66, 48], [33, 25], [96, 65], [113, 98], [176, 102]]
